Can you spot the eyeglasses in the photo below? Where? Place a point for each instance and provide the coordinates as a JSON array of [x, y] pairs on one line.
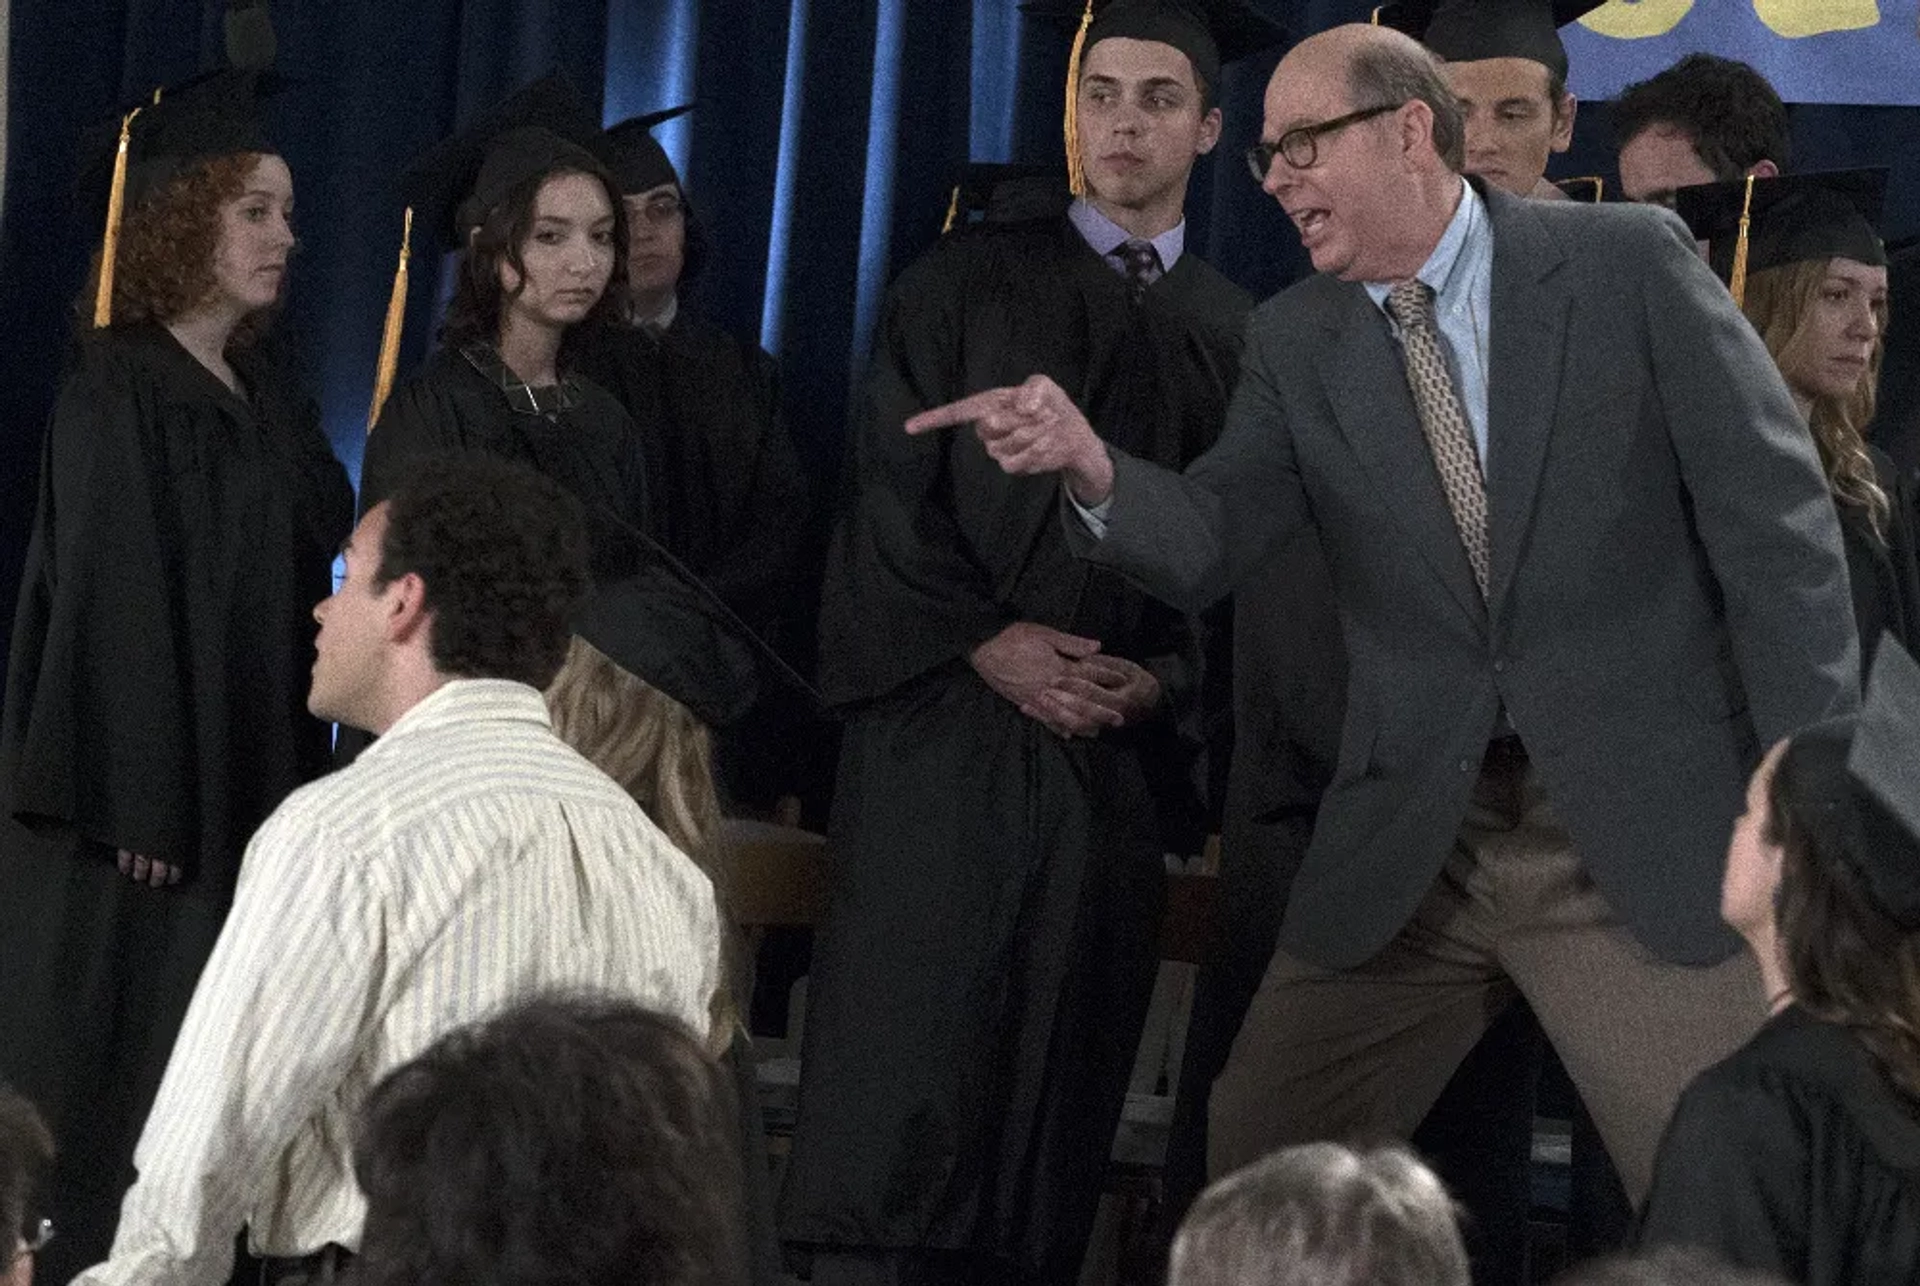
[[1301, 147], [659, 210]]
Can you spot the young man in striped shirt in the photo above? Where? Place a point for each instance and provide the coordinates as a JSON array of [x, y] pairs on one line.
[[467, 859]]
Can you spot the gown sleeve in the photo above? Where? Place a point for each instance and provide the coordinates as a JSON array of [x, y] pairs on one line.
[[99, 710], [1731, 1176], [898, 554], [417, 421]]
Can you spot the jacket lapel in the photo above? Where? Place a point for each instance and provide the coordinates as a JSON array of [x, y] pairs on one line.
[[1530, 305], [1365, 380]]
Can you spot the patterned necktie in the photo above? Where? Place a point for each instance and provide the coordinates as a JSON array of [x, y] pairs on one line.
[[1443, 420], [1141, 263]]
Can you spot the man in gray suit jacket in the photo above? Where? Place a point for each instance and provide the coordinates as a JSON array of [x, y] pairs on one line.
[[1587, 569]]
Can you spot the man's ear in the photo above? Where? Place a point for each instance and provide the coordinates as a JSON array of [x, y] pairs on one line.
[[407, 613], [1209, 131], [1563, 114]]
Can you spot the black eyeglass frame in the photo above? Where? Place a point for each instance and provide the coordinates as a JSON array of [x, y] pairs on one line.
[[42, 1234], [1300, 146]]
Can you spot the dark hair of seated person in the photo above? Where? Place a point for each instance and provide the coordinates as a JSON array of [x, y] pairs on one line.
[[502, 551], [570, 1141], [26, 1155]]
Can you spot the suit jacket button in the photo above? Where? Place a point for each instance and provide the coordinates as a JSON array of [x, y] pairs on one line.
[[1466, 765], [1500, 667]]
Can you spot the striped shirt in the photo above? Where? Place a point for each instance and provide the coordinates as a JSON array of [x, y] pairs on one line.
[[467, 859]]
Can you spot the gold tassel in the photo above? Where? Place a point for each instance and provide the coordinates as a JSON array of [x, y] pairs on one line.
[[1737, 279], [1374, 18], [390, 333], [953, 212], [1076, 172], [116, 205]]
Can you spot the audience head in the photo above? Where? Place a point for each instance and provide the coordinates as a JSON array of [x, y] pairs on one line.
[[471, 568], [26, 1156], [1323, 1214], [1366, 142], [666, 245], [1702, 120], [1823, 872], [568, 1142], [1666, 1266]]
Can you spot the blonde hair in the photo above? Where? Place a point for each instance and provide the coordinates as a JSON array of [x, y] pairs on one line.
[[662, 755], [1779, 301]]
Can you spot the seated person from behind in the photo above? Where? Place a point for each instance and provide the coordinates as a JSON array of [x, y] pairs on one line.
[[571, 1139], [1800, 1153], [1322, 1214]]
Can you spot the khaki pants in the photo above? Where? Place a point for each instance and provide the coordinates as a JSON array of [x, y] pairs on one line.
[[1360, 1054]]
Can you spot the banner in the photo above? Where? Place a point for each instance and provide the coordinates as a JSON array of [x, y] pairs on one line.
[[1864, 52]]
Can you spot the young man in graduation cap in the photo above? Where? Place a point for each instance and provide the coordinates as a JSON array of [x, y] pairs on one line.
[[991, 942], [726, 492], [1505, 63], [1703, 120]]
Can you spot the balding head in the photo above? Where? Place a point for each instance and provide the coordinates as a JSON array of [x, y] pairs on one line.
[[1371, 195]]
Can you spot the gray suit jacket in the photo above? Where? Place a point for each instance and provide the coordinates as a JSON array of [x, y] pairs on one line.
[[1668, 591]]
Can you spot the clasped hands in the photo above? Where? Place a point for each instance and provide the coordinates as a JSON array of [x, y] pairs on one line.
[[1064, 681]]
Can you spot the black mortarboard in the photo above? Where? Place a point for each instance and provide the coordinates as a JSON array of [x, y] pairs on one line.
[[1211, 33], [126, 160], [638, 162], [1469, 30], [453, 186], [988, 192], [658, 621], [1789, 218]]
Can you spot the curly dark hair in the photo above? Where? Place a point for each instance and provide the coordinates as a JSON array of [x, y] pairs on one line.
[[1847, 961], [502, 551], [26, 1155], [572, 1140], [1728, 109], [479, 299], [164, 265]]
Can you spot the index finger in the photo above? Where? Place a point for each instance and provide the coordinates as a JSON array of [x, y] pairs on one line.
[[965, 411]]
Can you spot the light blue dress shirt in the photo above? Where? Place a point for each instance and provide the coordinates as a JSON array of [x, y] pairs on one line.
[[1460, 271], [1106, 236]]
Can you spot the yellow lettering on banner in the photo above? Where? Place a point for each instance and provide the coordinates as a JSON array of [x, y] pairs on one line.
[[1816, 17], [1639, 19]]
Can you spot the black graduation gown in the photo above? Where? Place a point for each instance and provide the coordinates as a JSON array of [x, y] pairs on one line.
[[459, 401], [1884, 569], [1797, 1156], [729, 497], [991, 941], [156, 701]]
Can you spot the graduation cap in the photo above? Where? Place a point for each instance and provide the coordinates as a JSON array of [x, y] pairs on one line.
[[1469, 30], [635, 156], [658, 621], [988, 192], [1752, 224], [130, 158], [1211, 33], [460, 179]]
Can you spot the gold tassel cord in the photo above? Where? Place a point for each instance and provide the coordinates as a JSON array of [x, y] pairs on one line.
[[1076, 171], [390, 333], [116, 206], [953, 212], [1737, 279]]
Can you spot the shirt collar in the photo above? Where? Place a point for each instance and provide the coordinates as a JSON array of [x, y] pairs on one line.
[[1437, 272], [658, 323], [465, 701], [521, 396], [1106, 236]]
